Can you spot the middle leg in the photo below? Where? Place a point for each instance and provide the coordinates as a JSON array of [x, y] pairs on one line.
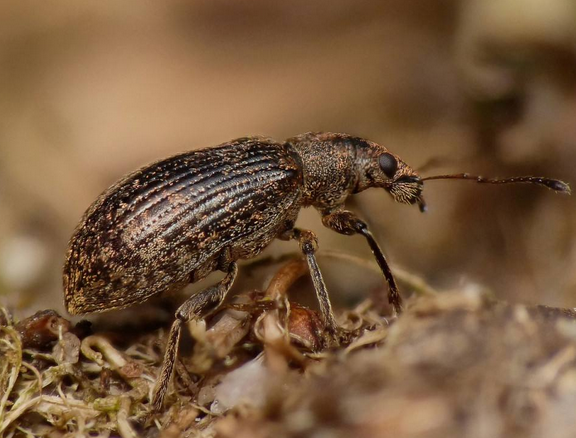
[[309, 245]]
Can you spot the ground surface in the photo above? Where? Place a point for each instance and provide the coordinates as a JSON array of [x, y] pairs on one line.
[[454, 364]]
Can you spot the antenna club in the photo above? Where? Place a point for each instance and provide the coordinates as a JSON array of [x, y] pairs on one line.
[[560, 186]]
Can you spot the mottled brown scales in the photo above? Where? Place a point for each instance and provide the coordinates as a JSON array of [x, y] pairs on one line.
[[175, 221], [156, 227]]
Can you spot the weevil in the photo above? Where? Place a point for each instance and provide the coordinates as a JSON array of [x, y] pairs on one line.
[[177, 220]]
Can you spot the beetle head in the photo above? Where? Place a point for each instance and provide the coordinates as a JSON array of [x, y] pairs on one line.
[[378, 167]]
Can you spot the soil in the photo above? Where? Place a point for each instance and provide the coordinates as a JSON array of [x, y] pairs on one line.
[[453, 364]]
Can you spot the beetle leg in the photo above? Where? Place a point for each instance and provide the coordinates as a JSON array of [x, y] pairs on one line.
[[346, 222], [309, 245], [194, 307]]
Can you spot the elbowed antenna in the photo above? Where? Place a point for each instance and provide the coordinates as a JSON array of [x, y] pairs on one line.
[[553, 184]]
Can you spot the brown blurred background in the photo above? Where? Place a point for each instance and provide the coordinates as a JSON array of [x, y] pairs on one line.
[[92, 90]]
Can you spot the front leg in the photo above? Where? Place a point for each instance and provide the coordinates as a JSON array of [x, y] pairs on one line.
[[346, 222]]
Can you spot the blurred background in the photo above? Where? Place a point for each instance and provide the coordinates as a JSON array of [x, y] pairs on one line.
[[92, 90]]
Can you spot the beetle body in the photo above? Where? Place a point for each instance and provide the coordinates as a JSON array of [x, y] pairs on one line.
[[175, 221]]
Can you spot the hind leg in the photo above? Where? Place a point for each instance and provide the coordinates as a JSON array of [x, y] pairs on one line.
[[194, 307]]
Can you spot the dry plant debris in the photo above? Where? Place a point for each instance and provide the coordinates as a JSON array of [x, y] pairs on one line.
[[455, 364]]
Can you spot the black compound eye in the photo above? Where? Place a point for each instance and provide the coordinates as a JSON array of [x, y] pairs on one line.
[[388, 164]]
